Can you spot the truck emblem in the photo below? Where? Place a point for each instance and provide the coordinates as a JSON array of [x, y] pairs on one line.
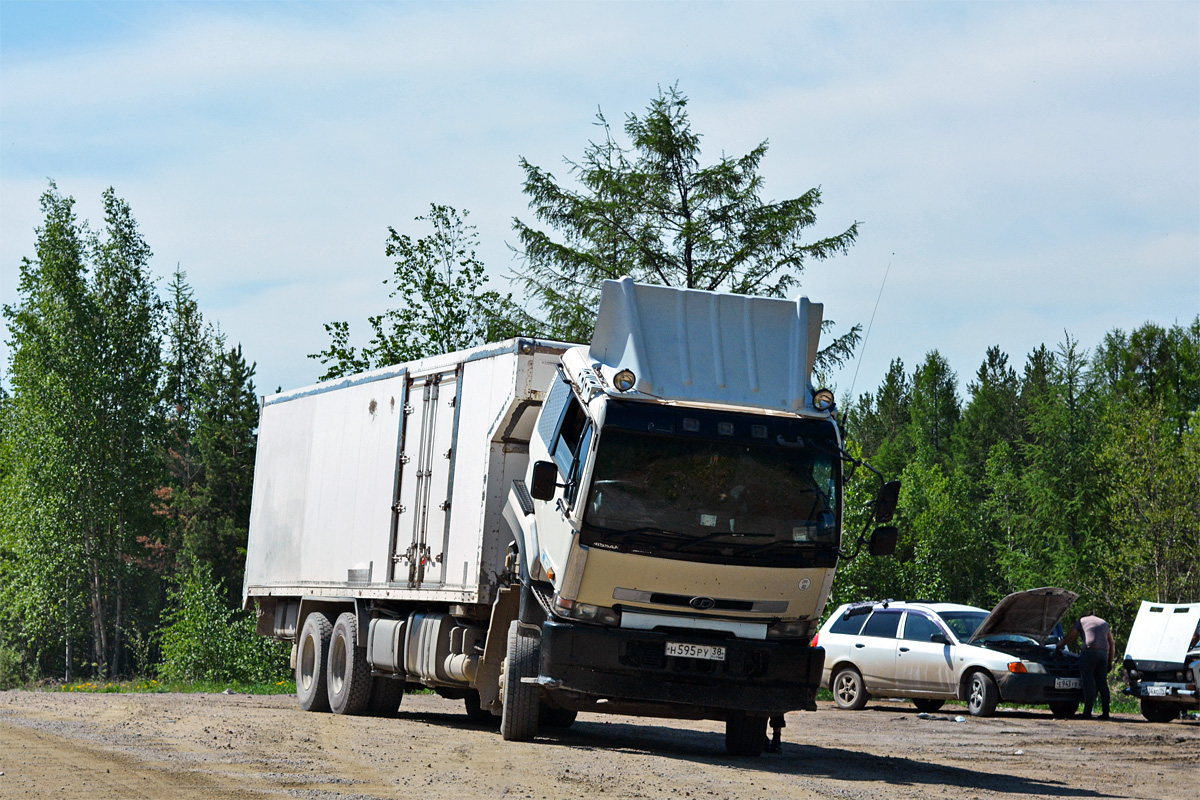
[[702, 603], [804, 584]]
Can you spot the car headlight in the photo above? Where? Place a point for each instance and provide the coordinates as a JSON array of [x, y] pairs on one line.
[[1031, 667]]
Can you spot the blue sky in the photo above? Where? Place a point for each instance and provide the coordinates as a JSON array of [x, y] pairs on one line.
[[1025, 168]]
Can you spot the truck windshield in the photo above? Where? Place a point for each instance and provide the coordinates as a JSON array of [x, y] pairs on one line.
[[713, 487]]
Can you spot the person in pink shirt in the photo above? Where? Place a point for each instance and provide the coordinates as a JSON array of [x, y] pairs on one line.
[[1095, 660]]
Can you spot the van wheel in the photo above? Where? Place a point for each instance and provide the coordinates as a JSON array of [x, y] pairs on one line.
[[311, 654], [386, 696], [350, 681], [1063, 709], [982, 694], [519, 719], [848, 689], [745, 735], [927, 706], [1155, 711]]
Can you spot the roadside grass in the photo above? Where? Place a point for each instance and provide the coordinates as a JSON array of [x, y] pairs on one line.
[[152, 686]]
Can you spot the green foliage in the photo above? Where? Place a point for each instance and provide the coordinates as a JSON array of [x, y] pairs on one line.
[[204, 640], [126, 447], [652, 212], [444, 303], [15, 672], [1079, 474]]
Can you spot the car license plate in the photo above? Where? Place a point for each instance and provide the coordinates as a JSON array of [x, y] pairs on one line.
[[1156, 691], [708, 652], [1066, 683]]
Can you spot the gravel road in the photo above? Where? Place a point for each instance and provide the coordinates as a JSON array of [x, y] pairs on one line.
[[130, 746]]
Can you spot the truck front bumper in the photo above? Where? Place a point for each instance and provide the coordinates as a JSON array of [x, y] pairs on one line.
[[756, 676]]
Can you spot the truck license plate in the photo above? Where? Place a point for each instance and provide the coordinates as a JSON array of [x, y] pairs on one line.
[[1156, 691], [1066, 683], [708, 652]]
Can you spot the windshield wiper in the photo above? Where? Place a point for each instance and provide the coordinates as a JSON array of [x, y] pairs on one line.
[[689, 544]]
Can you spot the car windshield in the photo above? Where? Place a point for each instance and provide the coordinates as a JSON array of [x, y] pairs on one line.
[[963, 624], [706, 486]]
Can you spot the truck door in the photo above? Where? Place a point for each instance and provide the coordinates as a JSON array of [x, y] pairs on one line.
[[422, 512]]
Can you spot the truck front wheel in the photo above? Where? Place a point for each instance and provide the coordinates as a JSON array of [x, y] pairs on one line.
[[312, 652], [745, 734], [519, 720], [349, 674]]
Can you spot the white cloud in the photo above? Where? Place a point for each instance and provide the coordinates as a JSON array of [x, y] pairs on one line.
[[1026, 167]]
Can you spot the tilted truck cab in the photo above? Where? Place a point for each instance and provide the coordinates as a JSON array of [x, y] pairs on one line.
[[647, 525]]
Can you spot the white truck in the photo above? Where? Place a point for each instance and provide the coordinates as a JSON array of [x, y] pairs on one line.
[[649, 525]]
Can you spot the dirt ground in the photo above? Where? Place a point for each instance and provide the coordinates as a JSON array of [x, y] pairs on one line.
[[132, 746]]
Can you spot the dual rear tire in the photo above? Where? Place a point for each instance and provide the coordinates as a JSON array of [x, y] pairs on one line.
[[332, 673]]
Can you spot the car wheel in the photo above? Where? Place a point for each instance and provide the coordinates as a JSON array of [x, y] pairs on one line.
[[1155, 711], [926, 705], [848, 689], [982, 694], [1063, 709]]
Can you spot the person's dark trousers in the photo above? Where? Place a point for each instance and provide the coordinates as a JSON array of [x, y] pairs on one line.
[[1093, 673]]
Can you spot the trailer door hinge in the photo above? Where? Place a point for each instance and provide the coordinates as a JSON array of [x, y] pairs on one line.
[[404, 459], [448, 453], [445, 504], [408, 409], [398, 508]]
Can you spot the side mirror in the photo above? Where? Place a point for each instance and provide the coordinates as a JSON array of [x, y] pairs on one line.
[[545, 480], [885, 503], [883, 541], [939, 638]]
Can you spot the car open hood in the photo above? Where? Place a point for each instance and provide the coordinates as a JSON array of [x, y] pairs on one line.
[[1162, 631], [1032, 613]]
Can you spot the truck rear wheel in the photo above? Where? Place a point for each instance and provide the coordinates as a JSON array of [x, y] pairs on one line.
[[386, 696], [745, 735], [519, 720], [550, 717], [311, 655], [349, 681]]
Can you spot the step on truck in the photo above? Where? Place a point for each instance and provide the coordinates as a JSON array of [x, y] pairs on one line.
[[648, 525]]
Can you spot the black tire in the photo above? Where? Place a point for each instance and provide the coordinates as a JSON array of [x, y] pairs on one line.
[[982, 694], [1156, 711], [745, 735], [386, 696], [519, 719], [476, 712], [560, 718], [1063, 709], [311, 656], [927, 706], [349, 682], [849, 691]]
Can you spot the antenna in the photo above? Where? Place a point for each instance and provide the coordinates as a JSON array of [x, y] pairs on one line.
[[867, 336]]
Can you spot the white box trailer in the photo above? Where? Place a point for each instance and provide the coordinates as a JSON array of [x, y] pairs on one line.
[[391, 484], [648, 525]]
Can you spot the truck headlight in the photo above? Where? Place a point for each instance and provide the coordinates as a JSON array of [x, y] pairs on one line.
[[586, 612]]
